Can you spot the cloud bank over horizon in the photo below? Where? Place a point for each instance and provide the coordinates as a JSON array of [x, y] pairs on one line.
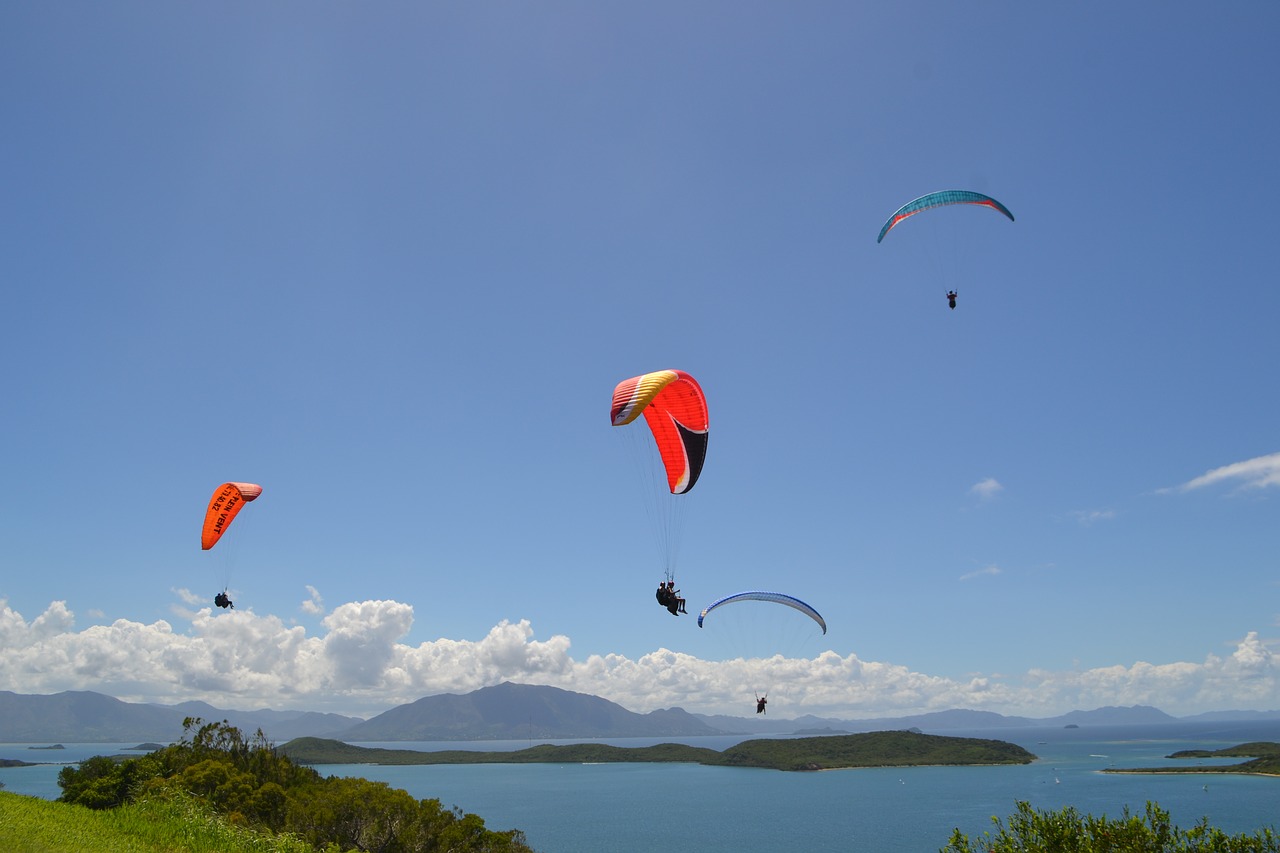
[[360, 667]]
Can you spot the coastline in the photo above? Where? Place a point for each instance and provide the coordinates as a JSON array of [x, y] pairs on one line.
[[1187, 771]]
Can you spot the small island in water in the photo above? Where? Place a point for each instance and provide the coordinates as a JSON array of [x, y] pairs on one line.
[[834, 752], [1265, 755]]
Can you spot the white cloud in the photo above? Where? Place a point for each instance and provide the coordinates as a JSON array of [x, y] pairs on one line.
[[1257, 473], [983, 572], [15, 631], [987, 489], [190, 599], [315, 604], [361, 666], [362, 641]]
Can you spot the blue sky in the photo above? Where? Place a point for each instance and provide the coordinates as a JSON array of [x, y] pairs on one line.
[[389, 261]]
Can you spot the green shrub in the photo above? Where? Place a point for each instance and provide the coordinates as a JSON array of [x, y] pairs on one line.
[[1068, 831]]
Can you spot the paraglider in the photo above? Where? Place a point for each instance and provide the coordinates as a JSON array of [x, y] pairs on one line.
[[675, 410], [750, 629], [942, 199], [773, 597], [226, 503]]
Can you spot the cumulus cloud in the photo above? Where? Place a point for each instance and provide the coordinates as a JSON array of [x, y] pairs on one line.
[[362, 639], [986, 489], [1257, 473], [360, 665], [14, 630]]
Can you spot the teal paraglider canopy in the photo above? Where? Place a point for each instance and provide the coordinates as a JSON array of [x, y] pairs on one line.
[[939, 199]]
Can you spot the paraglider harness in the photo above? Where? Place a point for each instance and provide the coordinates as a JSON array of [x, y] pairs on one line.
[[222, 601], [951, 298], [761, 701]]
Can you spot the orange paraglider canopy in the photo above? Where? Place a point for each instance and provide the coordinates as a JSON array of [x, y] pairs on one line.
[[223, 506]]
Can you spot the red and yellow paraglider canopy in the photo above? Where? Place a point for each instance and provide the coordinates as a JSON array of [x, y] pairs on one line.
[[676, 410]]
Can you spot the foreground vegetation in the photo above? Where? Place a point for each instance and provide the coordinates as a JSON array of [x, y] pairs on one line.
[[873, 749], [178, 823], [1068, 831], [252, 787]]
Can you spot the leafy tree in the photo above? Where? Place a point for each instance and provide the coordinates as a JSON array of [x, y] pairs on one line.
[[98, 783], [1067, 831], [353, 813], [225, 787], [268, 804], [363, 815]]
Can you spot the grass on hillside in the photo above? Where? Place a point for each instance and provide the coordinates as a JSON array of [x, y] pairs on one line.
[[33, 825]]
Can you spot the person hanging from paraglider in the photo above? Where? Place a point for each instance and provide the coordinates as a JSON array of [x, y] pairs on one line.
[[222, 601], [951, 299], [676, 603], [669, 597], [761, 701]]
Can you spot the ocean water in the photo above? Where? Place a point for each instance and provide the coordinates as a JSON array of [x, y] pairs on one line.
[[629, 808]]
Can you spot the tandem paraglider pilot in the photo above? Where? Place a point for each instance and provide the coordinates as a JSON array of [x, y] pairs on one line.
[[669, 597], [222, 601]]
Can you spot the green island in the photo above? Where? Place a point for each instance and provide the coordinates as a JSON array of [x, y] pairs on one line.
[[835, 752], [1265, 755], [14, 762]]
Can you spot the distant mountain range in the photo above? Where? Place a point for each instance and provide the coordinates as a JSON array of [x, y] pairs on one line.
[[521, 711], [503, 712], [87, 717]]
